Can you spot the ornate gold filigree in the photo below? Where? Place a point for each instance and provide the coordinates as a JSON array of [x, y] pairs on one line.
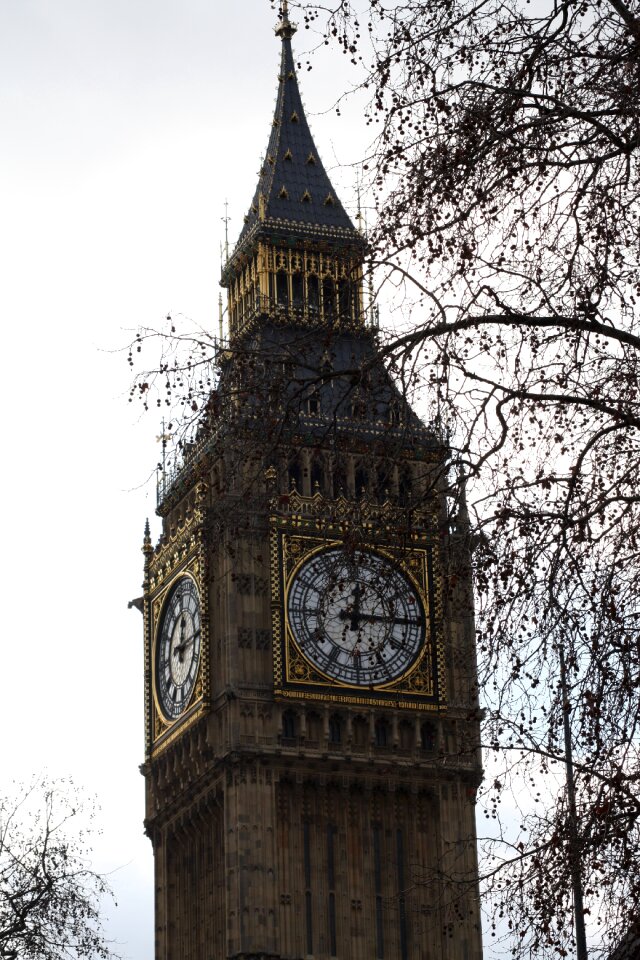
[[182, 554], [294, 537]]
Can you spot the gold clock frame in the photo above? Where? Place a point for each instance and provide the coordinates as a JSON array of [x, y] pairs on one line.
[[421, 686], [159, 604], [183, 555]]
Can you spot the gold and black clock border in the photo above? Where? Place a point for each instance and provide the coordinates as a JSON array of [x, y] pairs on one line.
[[422, 686], [162, 729], [164, 601], [178, 556]]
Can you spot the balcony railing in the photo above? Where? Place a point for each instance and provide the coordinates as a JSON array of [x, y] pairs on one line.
[[178, 465], [301, 313]]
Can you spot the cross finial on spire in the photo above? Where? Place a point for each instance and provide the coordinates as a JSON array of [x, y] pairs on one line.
[[285, 29]]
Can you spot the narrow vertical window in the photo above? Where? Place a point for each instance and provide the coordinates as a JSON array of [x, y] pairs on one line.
[[360, 731], [298, 290], [307, 883], [377, 873], [381, 482], [335, 729], [405, 485], [344, 299], [406, 732], [331, 876], [317, 473], [313, 294], [289, 725], [402, 903], [328, 298], [428, 737], [340, 487], [362, 481], [295, 475], [283, 288], [382, 733]]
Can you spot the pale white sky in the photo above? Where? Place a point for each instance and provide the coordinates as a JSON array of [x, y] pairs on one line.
[[124, 126]]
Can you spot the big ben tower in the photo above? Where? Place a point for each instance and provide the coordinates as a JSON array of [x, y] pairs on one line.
[[311, 706]]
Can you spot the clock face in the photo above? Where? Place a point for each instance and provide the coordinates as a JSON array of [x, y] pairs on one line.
[[178, 648], [356, 617]]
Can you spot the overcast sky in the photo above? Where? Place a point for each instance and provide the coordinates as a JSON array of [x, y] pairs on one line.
[[124, 126]]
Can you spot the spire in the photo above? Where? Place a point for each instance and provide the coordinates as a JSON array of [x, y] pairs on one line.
[[294, 195], [147, 549]]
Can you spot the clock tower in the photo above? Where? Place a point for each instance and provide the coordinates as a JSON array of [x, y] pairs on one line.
[[312, 737]]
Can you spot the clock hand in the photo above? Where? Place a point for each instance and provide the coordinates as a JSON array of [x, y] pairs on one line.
[[376, 618], [352, 613], [403, 621], [181, 647], [355, 615]]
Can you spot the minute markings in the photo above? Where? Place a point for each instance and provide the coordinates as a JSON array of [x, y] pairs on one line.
[[374, 618], [364, 607], [178, 654]]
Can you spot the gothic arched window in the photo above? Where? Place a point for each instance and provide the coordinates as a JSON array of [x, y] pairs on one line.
[[313, 404], [317, 476], [289, 725], [298, 290], [282, 284], [344, 299], [428, 737], [383, 481], [329, 298], [313, 294], [340, 487], [359, 408], [405, 733], [405, 485], [295, 475], [382, 733], [360, 731], [362, 480], [314, 727], [335, 729]]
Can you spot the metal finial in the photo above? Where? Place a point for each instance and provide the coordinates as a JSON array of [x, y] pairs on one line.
[[359, 214], [285, 29], [147, 549], [164, 439], [226, 220]]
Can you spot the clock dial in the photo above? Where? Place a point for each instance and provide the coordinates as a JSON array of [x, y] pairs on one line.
[[178, 648], [356, 617]]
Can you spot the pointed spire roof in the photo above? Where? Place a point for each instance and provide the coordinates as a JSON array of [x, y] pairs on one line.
[[294, 195]]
